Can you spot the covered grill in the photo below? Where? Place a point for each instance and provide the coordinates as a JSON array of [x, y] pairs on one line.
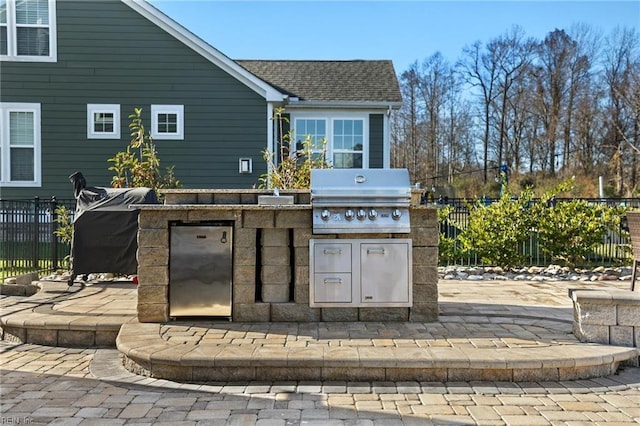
[[360, 200], [105, 228], [360, 272]]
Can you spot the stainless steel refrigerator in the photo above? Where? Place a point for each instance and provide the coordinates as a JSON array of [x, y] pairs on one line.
[[200, 269]]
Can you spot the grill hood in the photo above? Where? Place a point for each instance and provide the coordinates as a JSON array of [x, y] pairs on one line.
[[360, 186], [360, 200]]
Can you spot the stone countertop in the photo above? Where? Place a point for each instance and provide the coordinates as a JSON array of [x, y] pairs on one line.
[[226, 207], [230, 191], [236, 207]]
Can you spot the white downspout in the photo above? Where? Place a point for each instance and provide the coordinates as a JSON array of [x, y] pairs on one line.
[[386, 140], [270, 144]]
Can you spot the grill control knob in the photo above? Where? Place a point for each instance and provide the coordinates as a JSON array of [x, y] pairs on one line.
[[349, 215], [373, 214], [325, 215], [361, 214], [396, 213]]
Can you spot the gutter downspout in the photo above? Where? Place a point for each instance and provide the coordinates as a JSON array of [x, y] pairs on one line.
[[270, 144], [386, 140]]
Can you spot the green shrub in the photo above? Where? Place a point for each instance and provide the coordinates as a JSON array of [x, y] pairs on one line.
[[64, 230], [569, 230], [565, 231], [497, 232], [448, 250]]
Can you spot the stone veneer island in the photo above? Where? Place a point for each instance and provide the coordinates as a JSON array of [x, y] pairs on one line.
[[271, 257]]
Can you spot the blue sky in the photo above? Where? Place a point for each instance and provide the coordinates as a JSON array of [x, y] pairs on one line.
[[403, 31]]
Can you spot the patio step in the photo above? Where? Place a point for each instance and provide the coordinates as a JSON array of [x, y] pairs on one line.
[[189, 352], [75, 317]]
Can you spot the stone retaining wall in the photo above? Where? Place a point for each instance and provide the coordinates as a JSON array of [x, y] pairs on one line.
[[271, 259], [610, 317]]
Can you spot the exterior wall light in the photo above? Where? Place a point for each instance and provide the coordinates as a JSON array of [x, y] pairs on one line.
[[245, 166]]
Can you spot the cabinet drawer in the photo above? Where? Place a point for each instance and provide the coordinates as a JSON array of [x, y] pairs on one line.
[[332, 257], [332, 288]]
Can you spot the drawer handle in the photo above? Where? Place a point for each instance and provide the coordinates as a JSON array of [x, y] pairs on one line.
[[332, 280], [333, 251], [375, 251]]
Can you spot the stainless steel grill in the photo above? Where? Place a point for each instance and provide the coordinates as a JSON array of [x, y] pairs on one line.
[[360, 200]]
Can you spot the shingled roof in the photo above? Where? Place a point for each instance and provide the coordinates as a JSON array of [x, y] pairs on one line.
[[330, 81]]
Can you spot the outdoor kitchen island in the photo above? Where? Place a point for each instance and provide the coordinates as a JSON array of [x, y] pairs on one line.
[[270, 257], [274, 334]]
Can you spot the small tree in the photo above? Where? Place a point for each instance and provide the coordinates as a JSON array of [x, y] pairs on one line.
[[138, 165], [64, 230], [294, 169]]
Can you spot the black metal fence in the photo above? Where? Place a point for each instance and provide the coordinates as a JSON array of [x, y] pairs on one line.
[[614, 250], [28, 242]]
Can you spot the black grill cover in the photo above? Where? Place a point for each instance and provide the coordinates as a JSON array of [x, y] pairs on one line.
[[105, 227]]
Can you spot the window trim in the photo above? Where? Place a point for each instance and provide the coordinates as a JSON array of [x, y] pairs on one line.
[[329, 119], [5, 174], [12, 42], [167, 109], [104, 108]]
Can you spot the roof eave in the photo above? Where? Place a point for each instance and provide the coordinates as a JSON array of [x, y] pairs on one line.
[[205, 50], [344, 104]]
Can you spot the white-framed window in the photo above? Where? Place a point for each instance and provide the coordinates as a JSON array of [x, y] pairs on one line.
[[346, 136], [103, 121], [167, 122], [20, 144], [313, 129], [348, 143], [28, 30]]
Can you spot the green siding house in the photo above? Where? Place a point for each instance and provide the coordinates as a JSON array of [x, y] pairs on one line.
[[71, 72]]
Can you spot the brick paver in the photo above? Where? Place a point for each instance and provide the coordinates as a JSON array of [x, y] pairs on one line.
[[52, 385], [94, 388]]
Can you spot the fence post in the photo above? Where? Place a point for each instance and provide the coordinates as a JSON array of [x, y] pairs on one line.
[[54, 228], [36, 233]]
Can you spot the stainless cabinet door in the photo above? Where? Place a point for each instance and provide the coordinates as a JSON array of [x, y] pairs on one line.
[[384, 272]]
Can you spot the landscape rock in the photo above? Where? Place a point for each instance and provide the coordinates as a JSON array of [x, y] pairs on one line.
[[475, 277], [535, 273]]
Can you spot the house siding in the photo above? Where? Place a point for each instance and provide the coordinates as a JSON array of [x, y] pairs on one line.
[[101, 63], [376, 141]]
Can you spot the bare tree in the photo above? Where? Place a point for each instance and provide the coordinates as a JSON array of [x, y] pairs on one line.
[[553, 74], [512, 52], [435, 82], [580, 59], [409, 152], [561, 105], [480, 70], [621, 59]]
